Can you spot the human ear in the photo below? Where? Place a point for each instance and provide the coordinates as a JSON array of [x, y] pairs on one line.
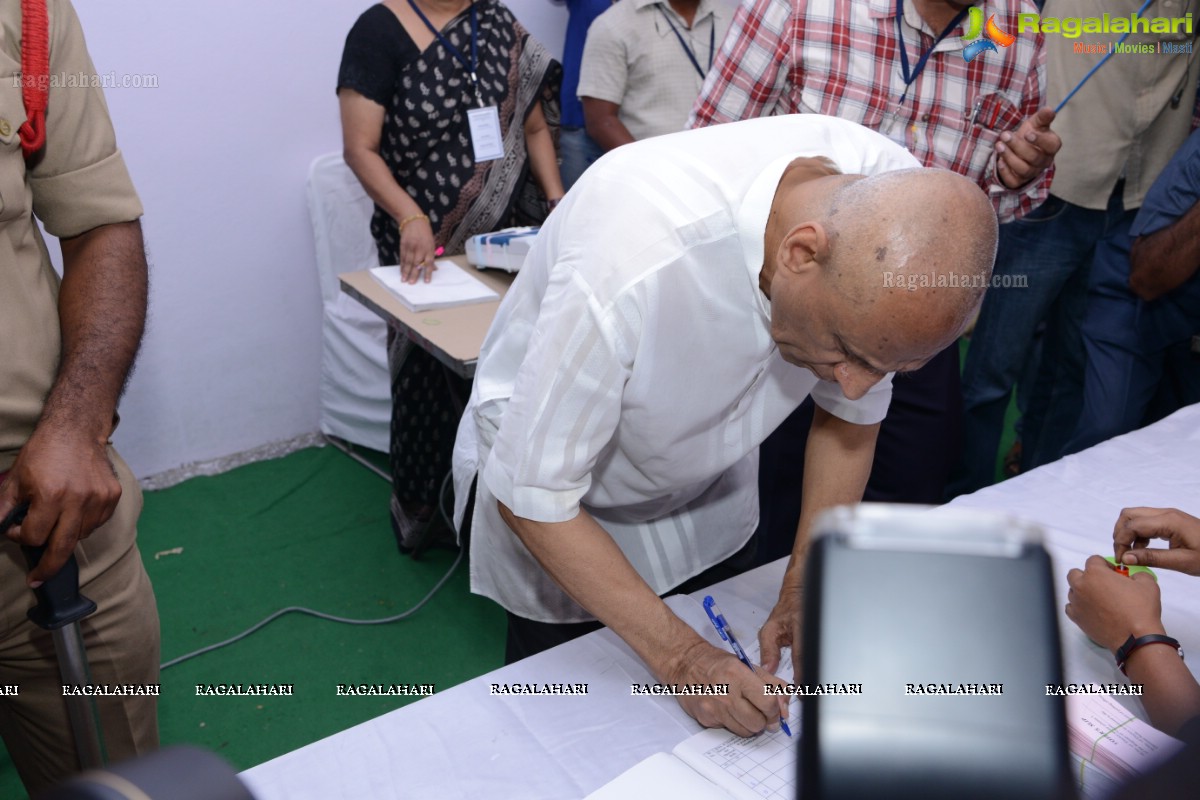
[[804, 248]]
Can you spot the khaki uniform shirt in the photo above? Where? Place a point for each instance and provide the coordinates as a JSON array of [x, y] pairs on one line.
[[1121, 121], [78, 182], [634, 59]]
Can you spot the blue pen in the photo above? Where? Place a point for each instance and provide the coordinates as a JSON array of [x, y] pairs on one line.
[[718, 621]]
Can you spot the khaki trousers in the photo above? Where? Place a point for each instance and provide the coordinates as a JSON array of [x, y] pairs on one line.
[[122, 642]]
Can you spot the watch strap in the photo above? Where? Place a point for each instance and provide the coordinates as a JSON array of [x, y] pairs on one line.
[[1132, 644]]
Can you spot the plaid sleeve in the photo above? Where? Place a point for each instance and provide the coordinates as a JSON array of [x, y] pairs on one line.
[[1012, 204], [751, 71]]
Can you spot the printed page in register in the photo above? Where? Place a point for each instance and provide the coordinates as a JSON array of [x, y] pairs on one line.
[[762, 766]]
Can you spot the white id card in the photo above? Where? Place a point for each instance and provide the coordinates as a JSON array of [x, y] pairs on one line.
[[485, 133]]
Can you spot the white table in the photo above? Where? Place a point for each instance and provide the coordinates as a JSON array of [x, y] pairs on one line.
[[466, 743]]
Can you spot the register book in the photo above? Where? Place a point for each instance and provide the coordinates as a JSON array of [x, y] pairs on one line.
[[450, 285], [715, 765], [1109, 746]]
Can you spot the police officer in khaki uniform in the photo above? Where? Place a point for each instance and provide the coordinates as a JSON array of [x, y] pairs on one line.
[[65, 352]]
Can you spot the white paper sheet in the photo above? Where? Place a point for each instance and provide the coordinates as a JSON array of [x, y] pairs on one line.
[[762, 766], [450, 285], [1113, 739], [662, 776]]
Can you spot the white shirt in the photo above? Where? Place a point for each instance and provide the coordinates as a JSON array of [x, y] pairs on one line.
[[630, 369]]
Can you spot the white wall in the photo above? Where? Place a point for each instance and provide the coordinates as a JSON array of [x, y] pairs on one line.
[[220, 153]]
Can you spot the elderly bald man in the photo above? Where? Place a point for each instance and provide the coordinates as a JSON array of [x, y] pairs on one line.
[[689, 292]]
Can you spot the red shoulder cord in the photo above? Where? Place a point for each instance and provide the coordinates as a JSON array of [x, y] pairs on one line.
[[35, 72]]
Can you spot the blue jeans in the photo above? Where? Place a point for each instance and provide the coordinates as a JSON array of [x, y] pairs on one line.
[[577, 151], [1180, 382], [1126, 367], [1050, 249]]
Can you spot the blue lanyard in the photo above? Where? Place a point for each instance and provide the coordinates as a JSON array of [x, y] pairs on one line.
[[1100, 63], [909, 77], [470, 66], [712, 40]]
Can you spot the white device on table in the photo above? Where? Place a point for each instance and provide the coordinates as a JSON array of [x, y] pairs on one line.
[[505, 249]]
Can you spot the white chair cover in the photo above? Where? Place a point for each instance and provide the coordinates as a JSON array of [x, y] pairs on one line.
[[355, 394]]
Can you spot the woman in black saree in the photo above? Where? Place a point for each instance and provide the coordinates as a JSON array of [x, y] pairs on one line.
[[410, 73]]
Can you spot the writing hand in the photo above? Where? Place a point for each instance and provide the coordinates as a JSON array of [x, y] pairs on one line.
[[747, 710]]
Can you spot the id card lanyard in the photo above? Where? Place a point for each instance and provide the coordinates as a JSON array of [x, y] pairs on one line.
[[712, 40], [484, 121], [910, 76]]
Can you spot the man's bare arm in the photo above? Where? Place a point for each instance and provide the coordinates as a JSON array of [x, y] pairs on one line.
[[837, 463], [583, 559], [1165, 260], [603, 123], [64, 470]]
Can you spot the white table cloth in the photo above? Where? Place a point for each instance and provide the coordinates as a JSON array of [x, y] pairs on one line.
[[467, 743]]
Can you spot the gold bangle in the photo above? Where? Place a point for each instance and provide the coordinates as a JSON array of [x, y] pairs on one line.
[[407, 220]]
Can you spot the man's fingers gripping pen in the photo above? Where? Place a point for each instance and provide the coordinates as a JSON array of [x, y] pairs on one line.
[[726, 633]]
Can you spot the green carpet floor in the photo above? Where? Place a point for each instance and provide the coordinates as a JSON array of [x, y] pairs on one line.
[[311, 530], [1009, 434]]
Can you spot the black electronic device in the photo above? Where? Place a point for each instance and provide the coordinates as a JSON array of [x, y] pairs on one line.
[[947, 620], [182, 772]]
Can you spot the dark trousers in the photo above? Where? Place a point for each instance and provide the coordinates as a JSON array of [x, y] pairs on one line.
[[527, 637], [1047, 257], [1132, 364], [920, 442]]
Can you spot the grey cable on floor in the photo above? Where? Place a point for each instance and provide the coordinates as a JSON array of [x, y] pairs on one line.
[[331, 617]]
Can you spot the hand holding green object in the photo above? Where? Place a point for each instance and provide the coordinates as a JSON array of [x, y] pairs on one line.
[[1130, 569], [1137, 528]]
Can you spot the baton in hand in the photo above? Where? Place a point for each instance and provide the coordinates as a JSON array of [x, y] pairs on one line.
[[60, 608]]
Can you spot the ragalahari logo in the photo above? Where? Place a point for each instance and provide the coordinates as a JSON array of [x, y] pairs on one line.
[[993, 35]]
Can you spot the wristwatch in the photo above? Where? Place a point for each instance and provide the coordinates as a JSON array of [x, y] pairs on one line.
[[1131, 644]]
